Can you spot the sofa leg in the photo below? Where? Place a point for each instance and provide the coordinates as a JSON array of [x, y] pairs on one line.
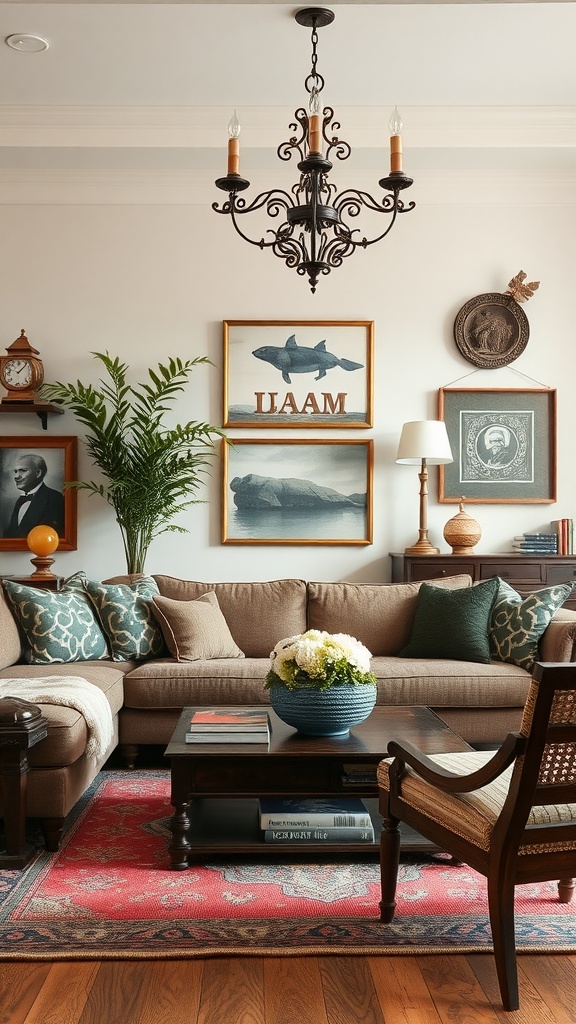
[[52, 829], [129, 753]]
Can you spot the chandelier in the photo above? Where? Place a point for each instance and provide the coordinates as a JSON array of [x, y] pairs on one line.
[[314, 236]]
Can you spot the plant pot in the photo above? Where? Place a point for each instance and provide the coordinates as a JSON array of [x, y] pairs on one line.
[[329, 712]]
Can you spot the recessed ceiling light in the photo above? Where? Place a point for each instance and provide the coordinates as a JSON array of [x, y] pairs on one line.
[[26, 43]]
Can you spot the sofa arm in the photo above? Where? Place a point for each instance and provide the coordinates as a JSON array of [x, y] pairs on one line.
[[558, 641]]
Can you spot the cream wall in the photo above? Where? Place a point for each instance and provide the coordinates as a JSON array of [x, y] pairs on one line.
[[150, 271]]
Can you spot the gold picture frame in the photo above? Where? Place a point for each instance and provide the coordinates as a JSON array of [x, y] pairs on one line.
[[277, 491], [298, 373], [60, 456]]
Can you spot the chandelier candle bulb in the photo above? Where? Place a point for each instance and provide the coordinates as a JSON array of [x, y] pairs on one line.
[[314, 136], [234, 145], [395, 127]]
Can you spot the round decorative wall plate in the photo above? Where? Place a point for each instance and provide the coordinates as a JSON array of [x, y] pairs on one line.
[[491, 330]]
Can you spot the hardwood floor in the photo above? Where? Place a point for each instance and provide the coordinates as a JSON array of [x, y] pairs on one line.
[[286, 990]]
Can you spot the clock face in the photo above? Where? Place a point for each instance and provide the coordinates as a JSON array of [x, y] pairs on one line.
[[17, 373]]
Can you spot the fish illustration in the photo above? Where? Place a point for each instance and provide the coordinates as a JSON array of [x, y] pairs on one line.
[[294, 358]]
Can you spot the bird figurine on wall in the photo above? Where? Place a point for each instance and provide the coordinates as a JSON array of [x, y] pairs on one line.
[[519, 291]]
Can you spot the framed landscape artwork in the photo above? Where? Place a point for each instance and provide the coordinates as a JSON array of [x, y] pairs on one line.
[[503, 443], [298, 373], [297, 492], [33, 471]]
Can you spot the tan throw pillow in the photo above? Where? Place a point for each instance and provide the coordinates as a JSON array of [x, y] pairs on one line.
[[195, 630]]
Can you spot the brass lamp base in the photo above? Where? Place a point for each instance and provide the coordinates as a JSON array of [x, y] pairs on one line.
[[423, 547]]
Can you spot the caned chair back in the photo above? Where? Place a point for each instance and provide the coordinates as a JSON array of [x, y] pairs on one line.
[[542, 790]]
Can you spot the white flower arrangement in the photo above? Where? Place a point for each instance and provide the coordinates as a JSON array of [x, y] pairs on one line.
[[317, 660]]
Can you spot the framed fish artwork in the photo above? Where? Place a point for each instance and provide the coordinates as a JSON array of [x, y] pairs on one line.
[[298, 373]]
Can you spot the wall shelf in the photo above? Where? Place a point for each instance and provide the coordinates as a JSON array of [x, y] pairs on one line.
[[43, 409]]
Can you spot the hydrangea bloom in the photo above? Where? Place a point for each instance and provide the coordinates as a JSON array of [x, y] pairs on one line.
[[317, 659]]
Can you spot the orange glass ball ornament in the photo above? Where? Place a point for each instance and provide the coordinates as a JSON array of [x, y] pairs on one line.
[[42, 540]]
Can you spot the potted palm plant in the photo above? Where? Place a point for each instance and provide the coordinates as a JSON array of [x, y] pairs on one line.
[[152, 472], [321, 682]]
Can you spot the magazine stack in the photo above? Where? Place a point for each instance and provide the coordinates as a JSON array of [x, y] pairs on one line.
[[229, 725]]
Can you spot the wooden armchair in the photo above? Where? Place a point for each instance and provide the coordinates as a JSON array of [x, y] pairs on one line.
[[511, 815]]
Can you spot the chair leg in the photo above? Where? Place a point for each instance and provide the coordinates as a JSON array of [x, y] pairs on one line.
[[389, 861], [566, 889], [501, 906]]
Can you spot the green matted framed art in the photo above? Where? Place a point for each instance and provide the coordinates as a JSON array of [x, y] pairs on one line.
[[297, 491], [298, 373], [503, 443]]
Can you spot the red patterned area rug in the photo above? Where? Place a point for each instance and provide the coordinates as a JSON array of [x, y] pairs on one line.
[[108, 893]]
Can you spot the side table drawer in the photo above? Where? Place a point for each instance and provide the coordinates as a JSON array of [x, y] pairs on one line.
[[562, 572], [514, 572], [429, 569]]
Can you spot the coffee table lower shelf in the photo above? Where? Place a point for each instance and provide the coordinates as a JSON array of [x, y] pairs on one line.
[[229, 827]]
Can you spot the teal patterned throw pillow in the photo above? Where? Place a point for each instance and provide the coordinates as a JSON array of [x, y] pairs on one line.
[[125, 614], [56, 626], [519, 620]]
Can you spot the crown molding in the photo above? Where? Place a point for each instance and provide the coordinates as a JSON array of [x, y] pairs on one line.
[[266, 127]]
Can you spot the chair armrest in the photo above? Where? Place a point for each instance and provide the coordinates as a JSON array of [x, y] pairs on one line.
[[451, 782], [558, 642]]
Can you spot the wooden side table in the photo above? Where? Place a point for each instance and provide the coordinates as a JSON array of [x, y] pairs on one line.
[[22, 725]]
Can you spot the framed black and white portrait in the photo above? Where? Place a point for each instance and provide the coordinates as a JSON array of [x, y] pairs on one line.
[[33, 474]]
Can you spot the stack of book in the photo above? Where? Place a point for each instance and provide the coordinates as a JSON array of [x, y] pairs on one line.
[[564, 530], [536, 543], [338, 820], [229, 725]]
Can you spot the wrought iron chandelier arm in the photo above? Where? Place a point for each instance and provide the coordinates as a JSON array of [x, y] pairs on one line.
[[275, 201]]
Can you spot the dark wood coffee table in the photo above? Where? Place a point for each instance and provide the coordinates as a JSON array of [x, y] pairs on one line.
[[215, 786]]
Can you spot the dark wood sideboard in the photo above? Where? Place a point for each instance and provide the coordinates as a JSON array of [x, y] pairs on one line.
[[523, 572]]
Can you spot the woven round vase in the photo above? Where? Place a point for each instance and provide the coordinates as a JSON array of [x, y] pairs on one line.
[[330, 712]]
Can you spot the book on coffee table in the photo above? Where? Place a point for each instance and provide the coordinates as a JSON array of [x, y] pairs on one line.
[[313, 812], [229, 725], [319, 835]]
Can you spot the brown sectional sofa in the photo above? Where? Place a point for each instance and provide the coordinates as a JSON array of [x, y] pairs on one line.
[[482, 702]]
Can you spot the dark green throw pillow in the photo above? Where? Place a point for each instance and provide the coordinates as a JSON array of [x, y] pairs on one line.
[[518, 621], [452, 624], [124, 611], [56, 626]]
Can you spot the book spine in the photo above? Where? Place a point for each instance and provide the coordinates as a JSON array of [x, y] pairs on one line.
[[315, 820], [229, 737], [319, 835]]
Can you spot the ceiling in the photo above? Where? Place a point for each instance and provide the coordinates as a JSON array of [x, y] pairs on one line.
[[152, 85]]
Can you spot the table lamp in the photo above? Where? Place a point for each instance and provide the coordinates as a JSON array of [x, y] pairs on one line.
[[424, 443], [42, 541]]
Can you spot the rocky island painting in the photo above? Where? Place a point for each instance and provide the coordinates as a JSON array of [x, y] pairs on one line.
[[297, 492], [298, 373]]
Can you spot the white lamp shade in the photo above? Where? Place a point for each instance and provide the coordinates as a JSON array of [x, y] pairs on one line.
[[424, 439]]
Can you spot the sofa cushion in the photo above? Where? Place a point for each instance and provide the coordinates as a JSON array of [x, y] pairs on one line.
[[453, 623], [56, 625], [258, 614], [67, 733], [125, 614], [519, 620], [169, 684], [380, 615], [195, 630]]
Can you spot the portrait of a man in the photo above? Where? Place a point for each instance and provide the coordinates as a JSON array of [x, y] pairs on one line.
[[35, 503], [497, 446]]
